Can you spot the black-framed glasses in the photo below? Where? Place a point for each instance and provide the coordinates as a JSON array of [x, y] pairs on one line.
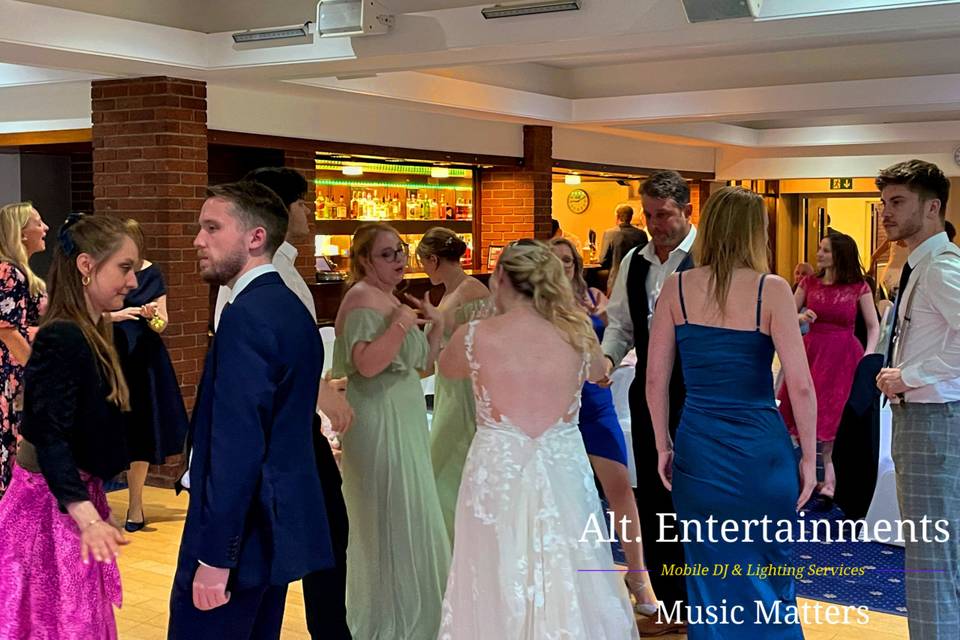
[[395, 255]]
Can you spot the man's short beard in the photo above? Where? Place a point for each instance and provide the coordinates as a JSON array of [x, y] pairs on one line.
[[226, 270]]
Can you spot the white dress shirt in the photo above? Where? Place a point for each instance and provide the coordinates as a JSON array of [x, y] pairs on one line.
[[618, 336], [238, 287], [930, 353], [284, 259]]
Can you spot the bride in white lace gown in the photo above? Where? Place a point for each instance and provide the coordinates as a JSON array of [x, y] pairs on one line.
[[521, 569]]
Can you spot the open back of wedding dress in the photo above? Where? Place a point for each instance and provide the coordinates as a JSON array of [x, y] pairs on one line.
[[520, 570]]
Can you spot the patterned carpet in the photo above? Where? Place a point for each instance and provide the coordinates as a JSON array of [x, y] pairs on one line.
[[881, 588]]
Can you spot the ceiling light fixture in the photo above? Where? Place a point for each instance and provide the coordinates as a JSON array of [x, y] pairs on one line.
[[571, 178], [529, 8], [263, 35], [439, 172], [352, 170], [347, 18]]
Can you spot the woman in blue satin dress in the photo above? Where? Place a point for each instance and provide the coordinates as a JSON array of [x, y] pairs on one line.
[[733, 459], [604, 441]]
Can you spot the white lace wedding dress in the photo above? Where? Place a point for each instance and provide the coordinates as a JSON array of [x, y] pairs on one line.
[[519, 569]]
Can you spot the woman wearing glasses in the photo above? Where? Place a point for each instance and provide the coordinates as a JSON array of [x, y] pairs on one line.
[[603, 437], [398, 551], [454, 418]]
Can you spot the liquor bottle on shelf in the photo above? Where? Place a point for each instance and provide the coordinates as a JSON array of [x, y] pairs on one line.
[[434, 210], [394, 207], [354, 205], [321, 208], [341, 209], [411, 207]]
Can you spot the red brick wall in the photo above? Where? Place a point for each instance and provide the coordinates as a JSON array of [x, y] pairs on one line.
[[150, 164], [517, 204]]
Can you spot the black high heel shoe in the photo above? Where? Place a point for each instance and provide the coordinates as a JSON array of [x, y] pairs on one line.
[[131, 526]]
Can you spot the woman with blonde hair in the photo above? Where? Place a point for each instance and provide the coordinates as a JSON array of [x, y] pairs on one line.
[[22, 297], [454, 418], [527, 498], [58, 549], [398, 552], [157, 421], [733, 460]]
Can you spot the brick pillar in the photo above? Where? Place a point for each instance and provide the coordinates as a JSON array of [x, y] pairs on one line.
[[305, 163], [150, 164], [517, 203]]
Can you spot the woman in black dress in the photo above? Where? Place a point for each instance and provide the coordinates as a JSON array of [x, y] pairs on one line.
[[157, 422]]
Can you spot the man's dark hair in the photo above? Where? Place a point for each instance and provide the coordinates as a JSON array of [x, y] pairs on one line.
[[625, 213], [287, 183], [923, 178], [950, 229], [667, 184], [554, 226], [255, 205]]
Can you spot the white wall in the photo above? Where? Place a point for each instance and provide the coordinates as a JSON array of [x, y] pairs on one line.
[[45, 107], [9, 178], [587, 146], [738, 163], [356, 120]]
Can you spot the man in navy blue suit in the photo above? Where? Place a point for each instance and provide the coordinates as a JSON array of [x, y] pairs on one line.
[[256, 519]]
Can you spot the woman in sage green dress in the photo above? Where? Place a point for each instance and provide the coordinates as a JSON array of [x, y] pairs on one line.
[[454, 418], [398, 552]]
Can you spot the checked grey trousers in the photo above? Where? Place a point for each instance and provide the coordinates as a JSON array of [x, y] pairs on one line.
[[926, 453]]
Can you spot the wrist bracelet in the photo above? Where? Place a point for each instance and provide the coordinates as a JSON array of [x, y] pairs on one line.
[[401, 325], [91, 523]]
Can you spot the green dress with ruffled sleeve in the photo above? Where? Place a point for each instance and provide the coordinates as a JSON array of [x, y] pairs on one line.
[[398, 552], [454, 422]]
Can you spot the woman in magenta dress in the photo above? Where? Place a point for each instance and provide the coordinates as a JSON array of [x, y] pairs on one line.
[[833, 298], [58, 550]]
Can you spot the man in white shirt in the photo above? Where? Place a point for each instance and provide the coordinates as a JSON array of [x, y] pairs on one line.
[[922, 378], [666, 206]]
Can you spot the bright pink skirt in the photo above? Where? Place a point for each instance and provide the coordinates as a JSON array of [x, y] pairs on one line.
[[46, 592]]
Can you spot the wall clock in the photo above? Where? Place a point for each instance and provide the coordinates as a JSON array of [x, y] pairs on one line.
[[578, 201]]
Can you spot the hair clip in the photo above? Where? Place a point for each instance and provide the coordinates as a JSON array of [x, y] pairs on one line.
[[66, 241]]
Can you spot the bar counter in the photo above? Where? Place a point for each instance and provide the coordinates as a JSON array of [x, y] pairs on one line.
[[328, 294]]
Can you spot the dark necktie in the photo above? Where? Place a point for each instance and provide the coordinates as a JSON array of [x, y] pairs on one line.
[[904, 278]]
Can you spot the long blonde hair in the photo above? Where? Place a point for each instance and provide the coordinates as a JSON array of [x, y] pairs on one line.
[[732, 235], [362, 245], [13, 218], [99, 237], [536, 272]]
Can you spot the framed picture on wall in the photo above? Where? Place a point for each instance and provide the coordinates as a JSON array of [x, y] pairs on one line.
[[493, 256]]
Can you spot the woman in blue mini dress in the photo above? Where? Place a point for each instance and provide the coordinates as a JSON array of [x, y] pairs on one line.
[[604, 441]]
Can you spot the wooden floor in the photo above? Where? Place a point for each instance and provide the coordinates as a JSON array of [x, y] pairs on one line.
[[147, 565]]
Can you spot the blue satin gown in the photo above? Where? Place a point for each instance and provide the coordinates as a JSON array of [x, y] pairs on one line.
[[734, 460]]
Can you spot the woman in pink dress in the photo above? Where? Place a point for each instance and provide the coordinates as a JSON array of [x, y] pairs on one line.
[[833, 297], [58, 550]]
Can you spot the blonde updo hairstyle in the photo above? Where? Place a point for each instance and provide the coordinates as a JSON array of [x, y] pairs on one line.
[[362, 247], [535, 272], [441, 243]]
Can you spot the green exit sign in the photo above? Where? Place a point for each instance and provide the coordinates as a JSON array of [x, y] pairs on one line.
[[841, 184]]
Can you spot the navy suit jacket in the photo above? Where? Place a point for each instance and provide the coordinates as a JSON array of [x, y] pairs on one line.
[[256, 504]]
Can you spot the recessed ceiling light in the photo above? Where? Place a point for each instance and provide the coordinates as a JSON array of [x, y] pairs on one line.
[[529, 8], [262, 35]]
